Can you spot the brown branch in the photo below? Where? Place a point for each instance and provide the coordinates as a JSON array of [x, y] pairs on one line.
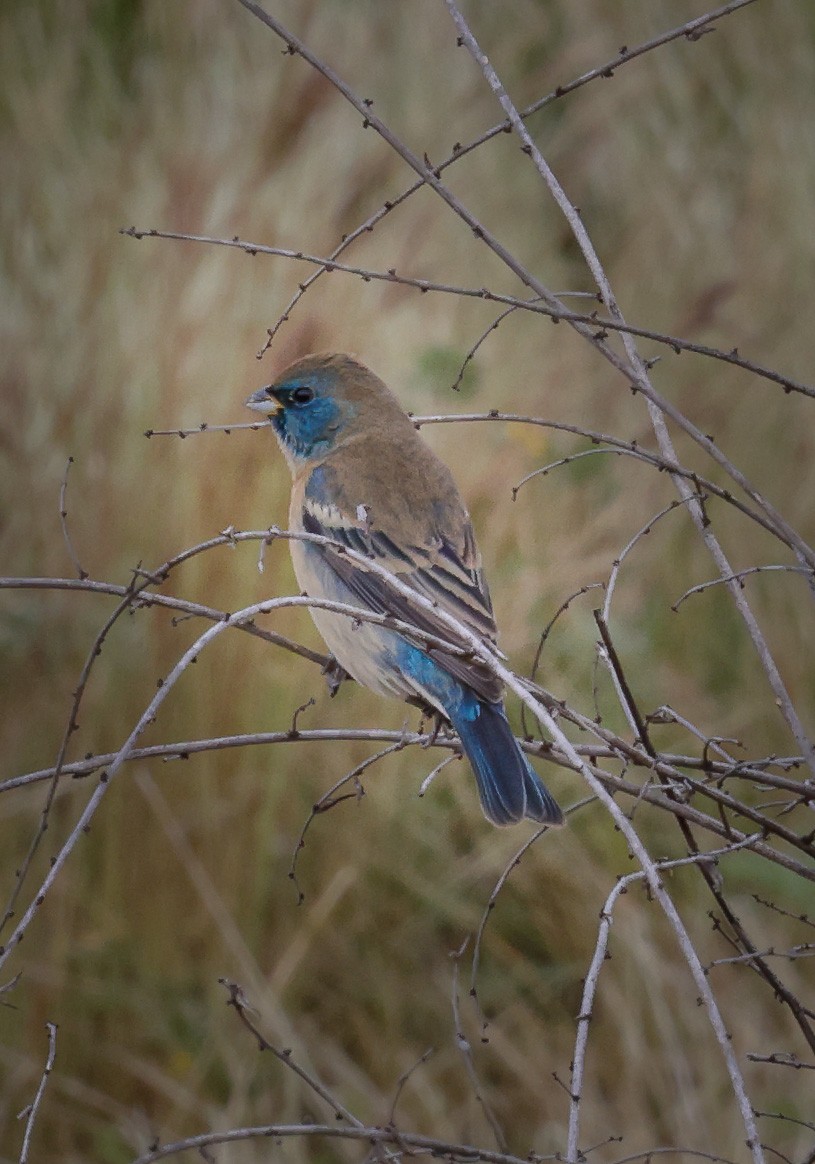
[[591, 325], [422, 1145], [30, 1113]]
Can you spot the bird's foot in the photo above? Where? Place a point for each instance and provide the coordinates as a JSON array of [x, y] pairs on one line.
[[334, 675], [438, 722]]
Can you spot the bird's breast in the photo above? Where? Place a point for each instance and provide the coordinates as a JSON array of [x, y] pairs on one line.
[[366, 651]]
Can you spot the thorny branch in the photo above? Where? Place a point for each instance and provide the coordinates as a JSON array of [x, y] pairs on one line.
[[459, 634], [30, 1114], [703, 485], [598, 325], [659, 409], [631, 366]]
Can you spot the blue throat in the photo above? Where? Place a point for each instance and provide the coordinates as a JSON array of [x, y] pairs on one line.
[[309, 431]]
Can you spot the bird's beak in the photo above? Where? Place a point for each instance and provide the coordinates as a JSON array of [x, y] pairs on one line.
[[264, 401]]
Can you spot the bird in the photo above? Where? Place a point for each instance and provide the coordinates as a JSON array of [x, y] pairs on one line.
[[364, 478]]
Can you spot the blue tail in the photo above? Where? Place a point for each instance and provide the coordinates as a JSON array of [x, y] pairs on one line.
[[508, 786]]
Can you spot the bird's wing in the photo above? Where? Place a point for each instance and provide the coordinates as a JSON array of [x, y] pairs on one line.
[[448, 575]]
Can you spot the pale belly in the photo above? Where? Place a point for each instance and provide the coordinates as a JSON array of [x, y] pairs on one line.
[[365, 651]]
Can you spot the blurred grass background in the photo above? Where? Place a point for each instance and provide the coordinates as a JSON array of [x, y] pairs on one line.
[[694, 168]]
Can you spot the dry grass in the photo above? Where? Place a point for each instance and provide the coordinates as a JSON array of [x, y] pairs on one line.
[[695, 170]]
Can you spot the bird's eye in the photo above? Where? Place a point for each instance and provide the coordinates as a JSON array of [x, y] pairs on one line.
[[302, 395]]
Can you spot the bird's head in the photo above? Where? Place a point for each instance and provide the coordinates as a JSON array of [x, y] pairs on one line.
[[321, 400]]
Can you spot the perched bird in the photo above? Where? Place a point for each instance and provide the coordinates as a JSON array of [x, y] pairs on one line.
[[363, 477]]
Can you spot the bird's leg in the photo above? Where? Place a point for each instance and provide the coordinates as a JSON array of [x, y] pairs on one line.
[[437, 720], [431, 714], [334, 675]]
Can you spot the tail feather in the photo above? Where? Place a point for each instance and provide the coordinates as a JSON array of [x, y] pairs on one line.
[[509, 787]]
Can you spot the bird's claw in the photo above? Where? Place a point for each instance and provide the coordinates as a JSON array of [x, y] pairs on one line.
[[334, 675], [438, 723]]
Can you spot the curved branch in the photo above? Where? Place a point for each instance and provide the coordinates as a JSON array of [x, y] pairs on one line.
[[658, 407]]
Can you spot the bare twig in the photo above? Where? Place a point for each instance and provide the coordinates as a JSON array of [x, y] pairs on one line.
[[683, 1151], [180, 605], [466, 1052], [591, 325], [423, 1145], [71, 726], [781, 1059], [636, 846], [431, 776], [63, 517], [702, 484], [30, 1113], [804, 951], [626, 696], [239, 1003], [658, 408], [403, 1079], [592, 979], [329, 799], [188, 658], [739, 576], [616, 784], [691, 30], [482, 925]]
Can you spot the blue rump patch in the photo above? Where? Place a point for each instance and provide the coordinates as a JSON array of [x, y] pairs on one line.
[[458, 701]]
